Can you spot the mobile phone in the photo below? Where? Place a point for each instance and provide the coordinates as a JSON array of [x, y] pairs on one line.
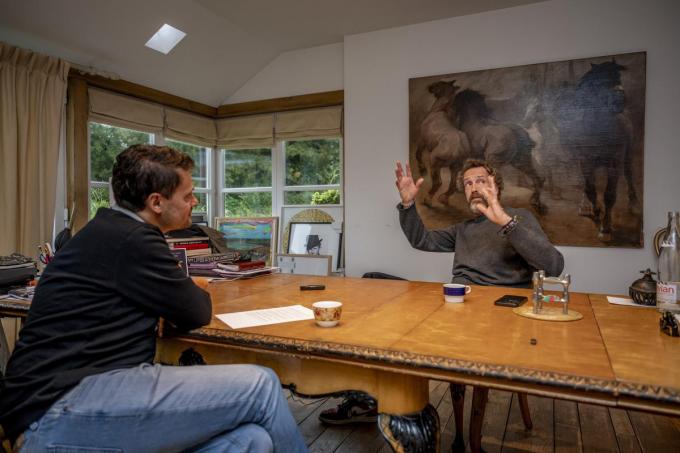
[[510, 301], [312, 287]]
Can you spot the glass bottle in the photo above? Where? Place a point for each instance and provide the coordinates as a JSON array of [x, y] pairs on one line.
[[668, 283]]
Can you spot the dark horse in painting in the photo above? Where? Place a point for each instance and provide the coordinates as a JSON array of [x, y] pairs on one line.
[[497, 143], [595, 130], [447, 146]]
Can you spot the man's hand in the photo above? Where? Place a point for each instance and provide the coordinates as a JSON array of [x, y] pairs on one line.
[[492, 210], [405, 185], [201, 282]]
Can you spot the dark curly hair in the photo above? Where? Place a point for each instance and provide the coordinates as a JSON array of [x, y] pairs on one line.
[[141, 170], [476, 163]]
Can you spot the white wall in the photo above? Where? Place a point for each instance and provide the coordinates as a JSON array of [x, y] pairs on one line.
[[377, 67], [305, 71]]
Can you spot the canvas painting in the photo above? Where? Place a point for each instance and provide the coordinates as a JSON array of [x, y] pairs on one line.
[[567, 136], [254, 237]]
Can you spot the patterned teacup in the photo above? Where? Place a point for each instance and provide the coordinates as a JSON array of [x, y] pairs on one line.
[[327, 312], [455, 293]]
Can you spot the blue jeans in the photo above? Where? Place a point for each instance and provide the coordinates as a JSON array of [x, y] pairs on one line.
[[154, 408]]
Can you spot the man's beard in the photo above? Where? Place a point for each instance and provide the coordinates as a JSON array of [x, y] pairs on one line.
[[475, 201]]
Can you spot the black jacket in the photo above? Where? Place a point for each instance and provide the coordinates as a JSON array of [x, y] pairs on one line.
[[96, 309]]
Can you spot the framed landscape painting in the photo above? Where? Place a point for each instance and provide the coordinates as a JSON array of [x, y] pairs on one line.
[[253, 237]]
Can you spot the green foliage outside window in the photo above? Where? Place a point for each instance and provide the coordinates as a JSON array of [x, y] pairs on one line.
[[312, 162], [247, 168], [248, 204], [99, 198]]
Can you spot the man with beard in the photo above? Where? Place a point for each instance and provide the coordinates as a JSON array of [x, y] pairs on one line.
[[498, 246]]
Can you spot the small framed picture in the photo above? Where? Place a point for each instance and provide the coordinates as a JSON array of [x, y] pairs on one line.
[[304, 264], [315, 239], [255, 238]]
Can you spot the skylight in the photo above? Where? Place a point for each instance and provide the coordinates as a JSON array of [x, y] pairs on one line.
[[165, 39]]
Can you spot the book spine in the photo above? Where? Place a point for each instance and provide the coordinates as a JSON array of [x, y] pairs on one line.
[[190, 246], [246, 265]]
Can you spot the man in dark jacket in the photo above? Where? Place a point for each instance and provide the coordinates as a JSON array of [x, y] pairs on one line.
[[81, 375]]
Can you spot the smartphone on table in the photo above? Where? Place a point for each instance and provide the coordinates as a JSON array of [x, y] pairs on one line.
[[510, 300]]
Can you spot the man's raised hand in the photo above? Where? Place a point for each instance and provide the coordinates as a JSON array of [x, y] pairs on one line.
[[405, 185]]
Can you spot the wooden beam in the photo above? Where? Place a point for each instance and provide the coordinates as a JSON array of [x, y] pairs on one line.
[[305, 101], [77, 171], [146, 93]]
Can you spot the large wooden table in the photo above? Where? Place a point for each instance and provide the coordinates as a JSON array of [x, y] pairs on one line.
[[396, 335]]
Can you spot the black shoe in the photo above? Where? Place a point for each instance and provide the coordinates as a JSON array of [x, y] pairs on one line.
[[351, 410]]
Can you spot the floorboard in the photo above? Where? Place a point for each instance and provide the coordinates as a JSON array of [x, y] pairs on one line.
[[559, 426]]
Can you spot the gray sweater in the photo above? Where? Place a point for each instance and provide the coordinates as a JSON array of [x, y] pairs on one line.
[[482, 256]]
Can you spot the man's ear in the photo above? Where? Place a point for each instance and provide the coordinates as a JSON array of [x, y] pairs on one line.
[[153, 202]]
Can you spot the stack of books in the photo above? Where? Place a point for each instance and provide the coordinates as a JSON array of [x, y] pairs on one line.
[[195, 246], [243, 269], [204, 265]]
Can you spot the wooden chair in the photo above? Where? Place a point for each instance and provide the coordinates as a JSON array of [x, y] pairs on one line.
[[480, 396]]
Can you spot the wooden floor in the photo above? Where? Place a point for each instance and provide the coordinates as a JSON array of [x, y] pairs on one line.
[[559, 426]]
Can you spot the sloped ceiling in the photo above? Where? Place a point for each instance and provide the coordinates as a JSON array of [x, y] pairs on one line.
[[227, 42]]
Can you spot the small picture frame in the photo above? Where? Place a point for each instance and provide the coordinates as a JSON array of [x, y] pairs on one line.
[[310, 238], [255, 238], [304, 264]]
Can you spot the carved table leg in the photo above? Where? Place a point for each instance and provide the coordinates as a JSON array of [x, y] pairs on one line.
[[411, 433], [458, 400]]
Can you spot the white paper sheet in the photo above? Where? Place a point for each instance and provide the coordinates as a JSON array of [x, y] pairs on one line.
[[626, 301], [265, 317]]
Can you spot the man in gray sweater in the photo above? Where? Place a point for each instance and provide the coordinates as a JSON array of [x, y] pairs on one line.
[[499, 246]]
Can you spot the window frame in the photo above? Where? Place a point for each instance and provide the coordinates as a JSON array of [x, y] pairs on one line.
[[281, 150], [215, 181]]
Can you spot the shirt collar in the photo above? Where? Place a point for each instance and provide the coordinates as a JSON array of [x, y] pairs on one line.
[[128, 213]]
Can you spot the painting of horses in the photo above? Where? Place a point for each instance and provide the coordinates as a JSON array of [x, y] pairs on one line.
[[567, 136]]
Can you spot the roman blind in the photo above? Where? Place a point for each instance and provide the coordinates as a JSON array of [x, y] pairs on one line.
[[124, 111], [255, 131], [309, 123], [187, 127]]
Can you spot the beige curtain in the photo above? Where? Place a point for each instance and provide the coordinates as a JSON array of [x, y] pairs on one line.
[[32, 95]]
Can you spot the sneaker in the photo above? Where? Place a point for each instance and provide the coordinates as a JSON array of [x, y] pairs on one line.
[[351, 410]]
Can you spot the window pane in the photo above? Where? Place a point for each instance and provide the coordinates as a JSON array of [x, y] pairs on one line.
[[331, 196], [105, 144], [312, 162], [250, 204], [99, 198], [202, 206], [200, 156], [247, 168]]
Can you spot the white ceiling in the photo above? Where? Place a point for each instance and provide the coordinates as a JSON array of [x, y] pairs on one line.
[[227, 42]]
